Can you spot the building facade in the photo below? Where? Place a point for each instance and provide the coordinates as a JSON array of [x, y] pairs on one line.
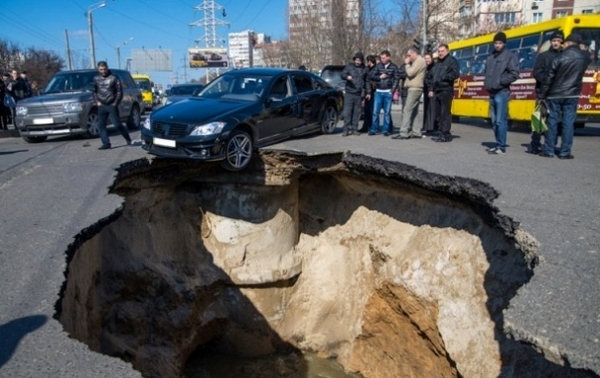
[[241, 47], [476, 17]]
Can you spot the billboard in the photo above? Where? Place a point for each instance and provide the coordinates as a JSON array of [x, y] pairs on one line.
[[207, 57], [146, 60]]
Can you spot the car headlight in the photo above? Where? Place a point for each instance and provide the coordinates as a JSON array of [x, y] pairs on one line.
[[21, 111], [72, 107], [208, 129], [147, 123]]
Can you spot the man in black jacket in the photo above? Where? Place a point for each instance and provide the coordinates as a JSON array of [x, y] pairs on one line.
[[385, 75], [561, 89], [501, 69], [368, 102], [540, 71], [108, 93], [440, 82], [355, 75]]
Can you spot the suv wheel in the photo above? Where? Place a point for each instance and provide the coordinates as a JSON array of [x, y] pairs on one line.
[[238, 151], [92, 125], [135, 118]]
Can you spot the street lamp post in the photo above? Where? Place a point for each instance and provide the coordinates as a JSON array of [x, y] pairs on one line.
[[118, 48], [88, 14]]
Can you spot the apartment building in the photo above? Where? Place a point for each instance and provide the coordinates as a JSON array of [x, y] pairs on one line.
[[477, 17], [318, 28]]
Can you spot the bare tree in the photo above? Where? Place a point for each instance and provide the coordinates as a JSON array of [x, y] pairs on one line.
[[40, 65]]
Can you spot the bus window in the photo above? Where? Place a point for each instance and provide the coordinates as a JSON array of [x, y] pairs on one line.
[[592, 37], [465, 53], [464, 60], [481, 54], [513, 44], [479, 64], [528, 51]]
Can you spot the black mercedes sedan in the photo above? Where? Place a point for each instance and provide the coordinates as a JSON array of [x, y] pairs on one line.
[[242, 110]]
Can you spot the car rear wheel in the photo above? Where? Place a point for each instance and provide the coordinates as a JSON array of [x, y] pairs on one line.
[[238, 151], [329, 120], [38, 139], [135, 118], [92, 125]]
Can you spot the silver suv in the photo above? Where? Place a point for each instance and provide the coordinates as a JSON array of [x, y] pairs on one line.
[[66, 107]]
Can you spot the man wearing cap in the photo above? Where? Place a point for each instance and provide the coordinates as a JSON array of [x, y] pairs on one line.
[[501, 69], [540, 71], [561, 89], [355, 74]]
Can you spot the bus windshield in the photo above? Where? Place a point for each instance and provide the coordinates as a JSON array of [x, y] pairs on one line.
[[143, 84]]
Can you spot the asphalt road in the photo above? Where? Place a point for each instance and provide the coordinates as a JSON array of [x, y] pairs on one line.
[[50, 191]]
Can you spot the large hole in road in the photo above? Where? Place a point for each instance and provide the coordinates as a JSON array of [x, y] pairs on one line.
[[383, 268]]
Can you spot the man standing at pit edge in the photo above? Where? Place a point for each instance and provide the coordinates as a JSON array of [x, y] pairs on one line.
[[108, 93], [354, 74], [440, 82], [501, 70], [386, 76], [561, 88], [540, 72]]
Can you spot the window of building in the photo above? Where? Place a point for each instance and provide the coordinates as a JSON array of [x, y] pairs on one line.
[[537, 17], [505, 18], [587, 11], [561, 13]]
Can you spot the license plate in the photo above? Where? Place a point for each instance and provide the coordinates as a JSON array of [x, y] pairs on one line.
[[42, 121], [164, 142]]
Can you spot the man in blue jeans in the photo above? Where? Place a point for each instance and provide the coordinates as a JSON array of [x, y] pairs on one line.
[[385, 75], [108, 93], [501, 69], [561, 89]]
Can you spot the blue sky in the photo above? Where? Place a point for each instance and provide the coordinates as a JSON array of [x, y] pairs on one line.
[[151, 23]]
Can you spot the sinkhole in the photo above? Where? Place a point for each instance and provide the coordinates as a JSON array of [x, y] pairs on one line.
[[368, 267]]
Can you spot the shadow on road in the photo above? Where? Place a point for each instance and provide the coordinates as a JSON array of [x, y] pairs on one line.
[[12, 332], [12, 152]]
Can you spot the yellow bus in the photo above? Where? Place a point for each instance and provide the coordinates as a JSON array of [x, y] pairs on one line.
[[144, 82], [472, 100]]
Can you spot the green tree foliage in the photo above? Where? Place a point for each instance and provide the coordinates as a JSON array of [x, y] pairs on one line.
[[40, 65]]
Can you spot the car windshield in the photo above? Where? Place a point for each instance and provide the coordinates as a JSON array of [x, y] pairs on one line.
[[186, 90], [236, 86], [71, 82]]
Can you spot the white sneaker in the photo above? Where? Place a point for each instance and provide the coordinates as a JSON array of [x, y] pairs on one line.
[[496, 151], [491, 149]]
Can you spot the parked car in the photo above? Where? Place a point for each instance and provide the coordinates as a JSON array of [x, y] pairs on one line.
[[180, 91], [242, 110], [66, 107]]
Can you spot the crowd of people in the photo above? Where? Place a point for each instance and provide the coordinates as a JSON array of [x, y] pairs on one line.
[[372, 82], [13, 88]]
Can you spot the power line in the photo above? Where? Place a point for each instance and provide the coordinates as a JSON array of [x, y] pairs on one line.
[[258, 14]]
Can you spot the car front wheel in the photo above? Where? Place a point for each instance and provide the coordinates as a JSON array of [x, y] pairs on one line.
[[92, 125], [135, 118], [238, 151], [329, 120]]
